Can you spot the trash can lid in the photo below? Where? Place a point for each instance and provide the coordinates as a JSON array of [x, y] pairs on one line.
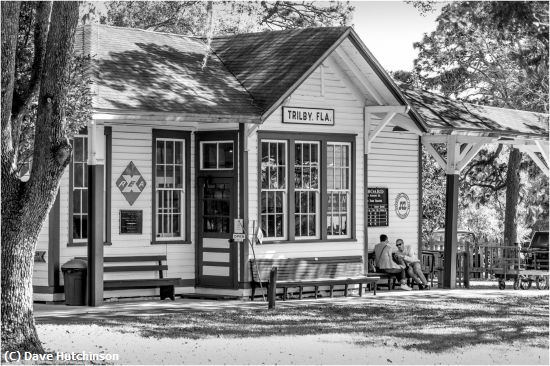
[[75, 264]]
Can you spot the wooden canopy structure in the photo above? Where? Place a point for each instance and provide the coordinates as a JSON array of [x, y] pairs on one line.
[[465, 128]]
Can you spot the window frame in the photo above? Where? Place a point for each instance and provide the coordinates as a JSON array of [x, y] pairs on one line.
[[323, 139], [329, 190], [316, 191], [185, 137], [217, 142], [285, 191], [72, 240], [106, 190]]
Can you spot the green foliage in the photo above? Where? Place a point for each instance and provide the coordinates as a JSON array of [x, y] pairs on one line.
[[493, 53], [230, 17]]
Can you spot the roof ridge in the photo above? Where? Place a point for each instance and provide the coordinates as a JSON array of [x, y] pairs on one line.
[[465, 102], [144, 30], [343, 27]]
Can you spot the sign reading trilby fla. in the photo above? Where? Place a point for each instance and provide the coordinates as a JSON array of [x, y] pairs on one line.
[[315, 116]]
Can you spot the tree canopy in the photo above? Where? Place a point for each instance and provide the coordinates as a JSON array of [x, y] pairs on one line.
[[492, 53], [191, 17]]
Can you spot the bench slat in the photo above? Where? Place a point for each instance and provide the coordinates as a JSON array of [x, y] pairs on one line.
[[149, 283], [147, 258], [135, 268]]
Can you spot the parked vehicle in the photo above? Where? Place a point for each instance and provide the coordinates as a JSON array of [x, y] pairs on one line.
[[536, 253]]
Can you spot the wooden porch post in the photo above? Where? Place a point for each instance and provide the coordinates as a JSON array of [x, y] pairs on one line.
[[451, 219], [95, 216]]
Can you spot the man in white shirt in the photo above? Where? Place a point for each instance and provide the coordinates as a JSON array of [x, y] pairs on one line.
[[414, 268]]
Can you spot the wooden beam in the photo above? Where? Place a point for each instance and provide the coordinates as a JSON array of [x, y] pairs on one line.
[[383, 123], [452, 154], [434, 139], [433, 152], [404, 109], [543, 149], [465, 160], [359, 75], [540, 163], [356, 90], [366, 131]]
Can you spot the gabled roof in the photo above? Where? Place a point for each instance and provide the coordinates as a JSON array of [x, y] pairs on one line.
[[248, 75], [444, 115], [268, 64], [159, 72]]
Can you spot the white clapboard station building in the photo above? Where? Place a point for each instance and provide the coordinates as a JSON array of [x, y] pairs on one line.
[[299, 133]]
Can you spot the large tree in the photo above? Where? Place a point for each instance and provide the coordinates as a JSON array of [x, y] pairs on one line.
[[25, 205], [493, 53], [191, 17]]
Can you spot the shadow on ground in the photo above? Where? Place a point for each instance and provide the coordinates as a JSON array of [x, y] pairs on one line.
[[432, 323]]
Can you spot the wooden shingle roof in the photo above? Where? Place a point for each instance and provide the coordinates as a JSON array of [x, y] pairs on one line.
[[268, 64], [160, 72], [445, 115]]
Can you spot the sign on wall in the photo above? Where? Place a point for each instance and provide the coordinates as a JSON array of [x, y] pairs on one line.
[[314, 116], [131, 221], [131, 183], [402, 205], [377, 207]]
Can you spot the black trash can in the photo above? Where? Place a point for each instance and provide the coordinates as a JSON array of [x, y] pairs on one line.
[[74, 275]]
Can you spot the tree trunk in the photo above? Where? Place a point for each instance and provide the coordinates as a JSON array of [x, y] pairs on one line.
[[512, 195], [25, 206]]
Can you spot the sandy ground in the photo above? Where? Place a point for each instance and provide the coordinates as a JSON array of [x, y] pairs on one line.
[[337, 348], [311, 349]]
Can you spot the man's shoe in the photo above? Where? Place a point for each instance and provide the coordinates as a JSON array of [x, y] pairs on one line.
[[405, 287]]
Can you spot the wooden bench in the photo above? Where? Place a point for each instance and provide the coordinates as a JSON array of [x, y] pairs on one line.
[[387, 279], [428, 268], [135, 264], [311, 272]]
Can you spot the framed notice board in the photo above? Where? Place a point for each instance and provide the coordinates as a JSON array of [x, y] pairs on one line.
[[377, 207], [131, 221]]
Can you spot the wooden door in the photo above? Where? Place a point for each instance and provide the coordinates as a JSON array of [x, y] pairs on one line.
[[217, 254]]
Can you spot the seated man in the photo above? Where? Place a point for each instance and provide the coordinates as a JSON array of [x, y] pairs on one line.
[[414, 268], [383, 252]]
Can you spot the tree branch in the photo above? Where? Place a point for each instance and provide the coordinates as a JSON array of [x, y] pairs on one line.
[[10, 29], [19, 110]]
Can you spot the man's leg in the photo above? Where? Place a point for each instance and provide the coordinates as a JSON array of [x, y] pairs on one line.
[[399, 274], [412, 274], [417, 268]]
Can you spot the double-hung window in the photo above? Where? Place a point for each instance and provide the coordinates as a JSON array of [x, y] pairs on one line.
[[79, 170], [273, 194], [170, 196], [306, 190], [306, 186], [338, 189]]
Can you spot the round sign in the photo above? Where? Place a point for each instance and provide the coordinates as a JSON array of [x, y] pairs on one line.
[[402, 205]]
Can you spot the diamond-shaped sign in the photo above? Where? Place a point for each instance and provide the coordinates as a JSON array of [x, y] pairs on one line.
[[131, 183]]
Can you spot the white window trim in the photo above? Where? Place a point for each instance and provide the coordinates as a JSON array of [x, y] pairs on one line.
[[73, 188], [182, 201], [317, 191], [217, 142], [285, 193], [348, 191]]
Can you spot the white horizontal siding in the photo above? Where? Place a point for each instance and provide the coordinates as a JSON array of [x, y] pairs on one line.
[[133, 142], [40, 272], [348, 112], [393, 164]]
